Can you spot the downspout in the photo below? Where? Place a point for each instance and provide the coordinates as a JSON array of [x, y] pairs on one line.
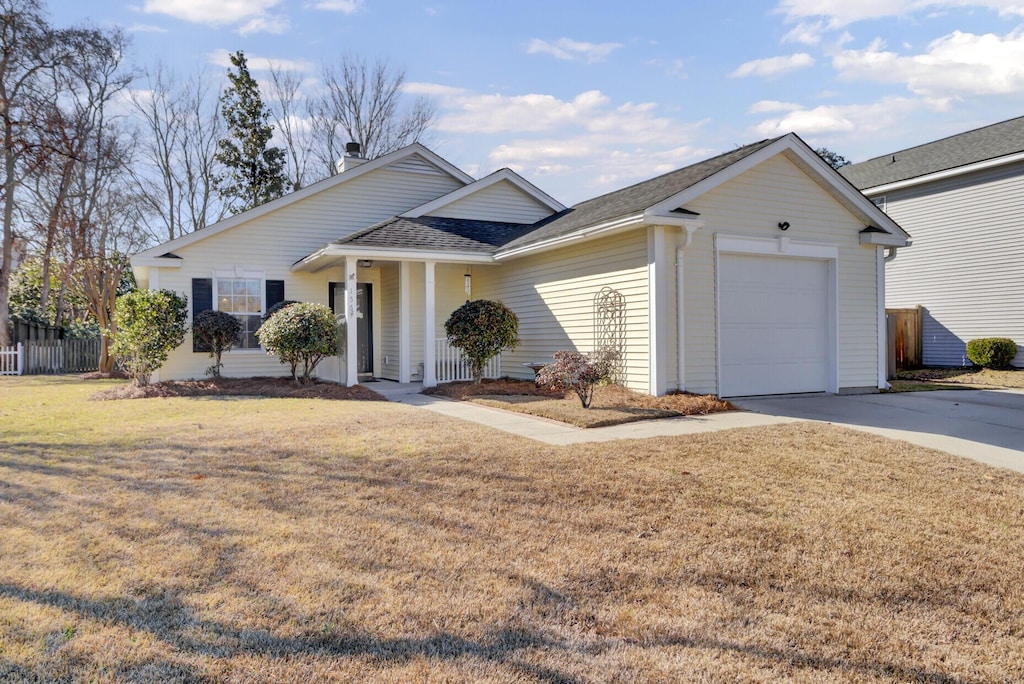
[[890, 254], [681, 312]]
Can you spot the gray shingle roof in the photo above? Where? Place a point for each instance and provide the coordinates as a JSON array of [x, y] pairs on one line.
[[981, 144], [437, 234], [631, 200]]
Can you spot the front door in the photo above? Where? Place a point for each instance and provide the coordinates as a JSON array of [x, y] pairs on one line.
[[364, 321]]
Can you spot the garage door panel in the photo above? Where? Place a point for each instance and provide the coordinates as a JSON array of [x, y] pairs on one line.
[[773, 325]]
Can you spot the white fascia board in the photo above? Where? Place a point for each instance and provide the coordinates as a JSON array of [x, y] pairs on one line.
[[690, 223], [141, 259], [308, 191], [506, 175], [615, 225], [312, 263], [883, 239], [946, 173]]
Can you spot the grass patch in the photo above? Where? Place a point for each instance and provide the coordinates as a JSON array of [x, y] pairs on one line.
[[300, 540], [923, 386], [612, 405], [239, 387], [971, 377]]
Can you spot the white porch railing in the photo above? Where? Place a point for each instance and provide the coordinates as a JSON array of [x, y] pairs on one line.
[[12, 360], [451, 366]]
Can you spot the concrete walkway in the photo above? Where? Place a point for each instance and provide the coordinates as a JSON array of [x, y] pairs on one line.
[[984, 425], [553, 432]]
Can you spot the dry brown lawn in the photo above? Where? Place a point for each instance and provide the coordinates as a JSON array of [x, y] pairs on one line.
[[251, 540], [612, 404]]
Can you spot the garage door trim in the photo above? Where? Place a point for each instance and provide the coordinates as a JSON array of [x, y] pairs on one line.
[[784, 247]]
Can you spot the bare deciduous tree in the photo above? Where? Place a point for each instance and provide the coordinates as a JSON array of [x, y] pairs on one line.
[[362, 102], [176, 175], [291, 110]]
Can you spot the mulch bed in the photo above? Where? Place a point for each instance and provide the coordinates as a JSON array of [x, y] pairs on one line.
[[235, 387], [490, 387]]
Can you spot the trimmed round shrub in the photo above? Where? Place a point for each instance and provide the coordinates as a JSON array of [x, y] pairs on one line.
[[277, 307], [481, 329], [218, 331], [148, 325], [301, 334], [992, 352]]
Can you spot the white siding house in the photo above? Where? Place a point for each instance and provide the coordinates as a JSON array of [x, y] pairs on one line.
[[758, 271], [962, 199]]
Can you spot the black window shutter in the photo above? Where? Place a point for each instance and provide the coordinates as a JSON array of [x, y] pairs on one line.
[[202, 300]]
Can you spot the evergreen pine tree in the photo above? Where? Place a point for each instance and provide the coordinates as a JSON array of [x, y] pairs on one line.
[[254, 173]]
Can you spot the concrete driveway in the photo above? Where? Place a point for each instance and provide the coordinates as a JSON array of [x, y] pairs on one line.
[[986, 425]]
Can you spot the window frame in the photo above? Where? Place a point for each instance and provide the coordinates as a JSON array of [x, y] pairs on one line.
[[241, 274]]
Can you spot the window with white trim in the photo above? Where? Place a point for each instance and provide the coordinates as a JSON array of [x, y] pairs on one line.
[[879, 202], [242, 297]]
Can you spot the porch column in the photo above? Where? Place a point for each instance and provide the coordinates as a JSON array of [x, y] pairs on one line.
[[658, 314], [404, 325], [429, 369], [351, 323]]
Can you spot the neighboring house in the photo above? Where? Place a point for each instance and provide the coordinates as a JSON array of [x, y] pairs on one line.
[[759, 271], [962, 198]]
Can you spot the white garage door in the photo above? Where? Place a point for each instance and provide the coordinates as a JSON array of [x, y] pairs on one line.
[[773, 325]]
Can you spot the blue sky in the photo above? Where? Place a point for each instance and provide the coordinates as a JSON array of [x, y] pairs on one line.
[[583, 97]]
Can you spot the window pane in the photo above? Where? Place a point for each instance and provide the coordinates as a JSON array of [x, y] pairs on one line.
[[237, 287], [255, 304], [252, 287]]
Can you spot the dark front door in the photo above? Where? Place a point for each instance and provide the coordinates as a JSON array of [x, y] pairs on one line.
[[364, 331], [364, 321]]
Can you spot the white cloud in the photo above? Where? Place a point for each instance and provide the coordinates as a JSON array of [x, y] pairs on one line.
[[774, 66], [958, 64], [843, 12], [145, 28], [768, 106], [222, 58], [808, 33], [206, 12], [568, 49], [587, 137], [343, 6], [267, 23], [863, 119]]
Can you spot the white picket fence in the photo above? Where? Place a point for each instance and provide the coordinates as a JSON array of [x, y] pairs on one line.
[[12, 360], [452, 367]]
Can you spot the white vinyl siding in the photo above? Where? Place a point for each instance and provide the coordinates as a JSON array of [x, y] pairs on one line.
[[389, 322], [273, 242], [553, 294], [502, 201], [752, 204], [965, 264]]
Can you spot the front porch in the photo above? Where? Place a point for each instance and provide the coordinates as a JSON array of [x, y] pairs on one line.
[[392, 310]]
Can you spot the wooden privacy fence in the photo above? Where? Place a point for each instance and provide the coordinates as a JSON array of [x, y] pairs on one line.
[[42, 357], [904, 339]]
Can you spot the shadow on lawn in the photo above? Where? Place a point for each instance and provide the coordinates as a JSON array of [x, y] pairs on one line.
[[169, 619]]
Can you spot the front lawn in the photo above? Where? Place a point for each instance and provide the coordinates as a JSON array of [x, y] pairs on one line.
[[257, 539]]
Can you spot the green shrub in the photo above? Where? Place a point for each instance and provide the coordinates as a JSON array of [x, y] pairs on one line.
[[301, 333], [481, 329], [149, 324], [991, 352], [277, 307], [218, 331]]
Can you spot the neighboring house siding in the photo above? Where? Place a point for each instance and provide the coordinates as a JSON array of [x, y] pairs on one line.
[[752, 204], [965, 264], [499, 202], [272, 243], [553, 293]]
